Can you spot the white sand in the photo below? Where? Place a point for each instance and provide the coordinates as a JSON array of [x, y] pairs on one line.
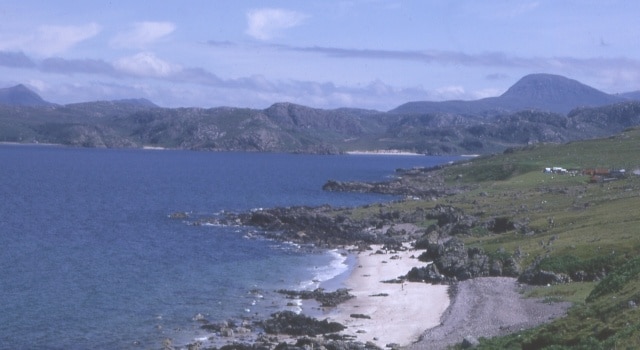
[[390, 152], [403, 315]]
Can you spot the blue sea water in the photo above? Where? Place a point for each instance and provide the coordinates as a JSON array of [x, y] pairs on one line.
[[90, 259]]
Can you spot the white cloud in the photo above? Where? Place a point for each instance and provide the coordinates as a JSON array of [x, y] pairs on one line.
[[264, 24], [450, 92], [49, 40], [146, 64], [143, 34], [488, 92]]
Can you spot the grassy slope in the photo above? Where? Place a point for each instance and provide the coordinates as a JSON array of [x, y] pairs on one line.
[[595, 227], [571, 224]]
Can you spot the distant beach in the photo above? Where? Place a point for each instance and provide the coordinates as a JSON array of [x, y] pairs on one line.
[[390, 152]]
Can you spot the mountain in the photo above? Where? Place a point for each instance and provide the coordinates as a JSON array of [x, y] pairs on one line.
[[543, 92], [519, 117], [633, 95], [20, 95], [553, 93]]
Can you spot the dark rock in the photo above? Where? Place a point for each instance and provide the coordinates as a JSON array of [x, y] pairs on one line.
[[452, 261], [326, 299], [288, 322], [501, 225], [540, 277], [431, 237], [360, 316], [428, 274], [470, 342], [316, 225], [423, 183]]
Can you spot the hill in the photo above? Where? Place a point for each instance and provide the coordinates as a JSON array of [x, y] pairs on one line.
[[575, 227], [20, 95], [541, 92]]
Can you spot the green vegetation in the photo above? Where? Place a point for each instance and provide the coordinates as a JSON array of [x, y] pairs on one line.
[[575, 292], [566, 224], [574, 226], [608, 319]]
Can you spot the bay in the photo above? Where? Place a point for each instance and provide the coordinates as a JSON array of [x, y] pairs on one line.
[[90, 259]]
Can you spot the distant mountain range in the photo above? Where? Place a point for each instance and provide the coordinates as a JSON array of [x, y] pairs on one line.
[[541, 92], [538, 108]]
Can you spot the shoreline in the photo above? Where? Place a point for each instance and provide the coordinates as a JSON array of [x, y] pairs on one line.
[[383, 153], [389, 313]]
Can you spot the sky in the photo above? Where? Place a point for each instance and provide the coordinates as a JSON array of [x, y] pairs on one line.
[[373, 54]]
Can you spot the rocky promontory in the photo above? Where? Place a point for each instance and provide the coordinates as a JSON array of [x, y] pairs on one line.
[[424, 183]]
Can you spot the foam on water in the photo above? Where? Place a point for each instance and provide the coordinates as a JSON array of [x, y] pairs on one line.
[[336, 267]]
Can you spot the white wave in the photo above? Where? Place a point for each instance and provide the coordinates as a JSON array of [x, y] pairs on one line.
[[295, 305], [336, 267]]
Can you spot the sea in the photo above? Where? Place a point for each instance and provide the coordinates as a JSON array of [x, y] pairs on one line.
[[90, 257]]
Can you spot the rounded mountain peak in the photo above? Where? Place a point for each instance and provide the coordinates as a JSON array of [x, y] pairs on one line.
[[555, 93], [549, 86]]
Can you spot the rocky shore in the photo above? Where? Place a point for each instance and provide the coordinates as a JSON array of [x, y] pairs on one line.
[[484, 285]]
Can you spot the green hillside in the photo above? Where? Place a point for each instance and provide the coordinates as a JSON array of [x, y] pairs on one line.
[[569, 224], [583, 229]]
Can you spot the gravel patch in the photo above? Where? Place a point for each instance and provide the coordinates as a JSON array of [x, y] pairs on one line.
[[487, 307]]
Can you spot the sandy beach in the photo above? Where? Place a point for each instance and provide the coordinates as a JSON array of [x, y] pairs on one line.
[[423, 316], [399, 312]]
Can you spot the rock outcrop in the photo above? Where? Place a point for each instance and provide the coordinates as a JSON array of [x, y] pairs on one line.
[[452, 261], [326, 299], [288, 322]]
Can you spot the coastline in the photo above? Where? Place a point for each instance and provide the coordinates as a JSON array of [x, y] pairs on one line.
[[389, 313]]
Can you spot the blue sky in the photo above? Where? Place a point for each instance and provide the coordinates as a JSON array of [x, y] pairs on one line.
[[371, 54]]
